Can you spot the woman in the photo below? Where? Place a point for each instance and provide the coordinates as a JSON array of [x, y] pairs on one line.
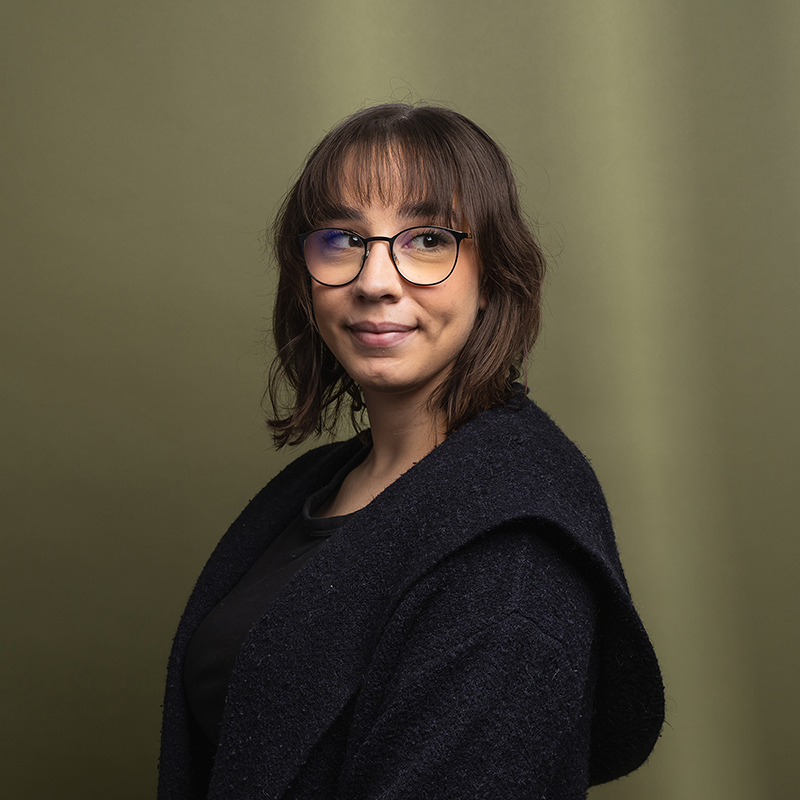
[[434, 608]]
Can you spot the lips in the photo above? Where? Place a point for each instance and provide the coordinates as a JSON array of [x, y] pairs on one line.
[[380, 334]]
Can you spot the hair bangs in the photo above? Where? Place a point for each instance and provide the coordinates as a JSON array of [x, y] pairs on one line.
[[389, 170]]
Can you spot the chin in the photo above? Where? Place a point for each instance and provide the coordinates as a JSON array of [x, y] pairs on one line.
[[384, 385], [398, 384]]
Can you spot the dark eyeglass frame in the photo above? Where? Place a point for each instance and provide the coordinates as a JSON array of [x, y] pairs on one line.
[[459, 236]]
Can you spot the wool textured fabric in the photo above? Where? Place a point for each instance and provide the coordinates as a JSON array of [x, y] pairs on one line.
[[215, 645], [468, 634]]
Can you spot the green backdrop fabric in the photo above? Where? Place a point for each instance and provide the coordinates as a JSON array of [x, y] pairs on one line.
[[144, 147]]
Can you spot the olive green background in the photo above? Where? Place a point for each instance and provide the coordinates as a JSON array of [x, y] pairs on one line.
[[145, 145]]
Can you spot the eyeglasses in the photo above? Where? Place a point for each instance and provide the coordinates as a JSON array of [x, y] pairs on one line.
[[423, 256]]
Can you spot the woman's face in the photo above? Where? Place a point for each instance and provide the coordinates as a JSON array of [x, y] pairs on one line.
[[390, 335]]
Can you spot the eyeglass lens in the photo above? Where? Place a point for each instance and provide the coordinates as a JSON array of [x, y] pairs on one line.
[[422, 255]]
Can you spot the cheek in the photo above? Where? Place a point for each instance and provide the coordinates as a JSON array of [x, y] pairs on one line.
[[466, 305], [457, 320]]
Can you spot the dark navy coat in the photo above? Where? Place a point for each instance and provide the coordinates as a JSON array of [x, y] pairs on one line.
[[468, 634]]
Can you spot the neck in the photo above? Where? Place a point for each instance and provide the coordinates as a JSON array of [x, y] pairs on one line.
[[404, 431]]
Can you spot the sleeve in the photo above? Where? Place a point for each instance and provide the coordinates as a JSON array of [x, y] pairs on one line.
[[482, 685]]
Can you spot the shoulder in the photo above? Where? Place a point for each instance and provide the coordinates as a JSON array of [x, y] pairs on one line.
[[285, 493], [526, 447], [515, 467], [512, 578], [314, 466], [506, 465]]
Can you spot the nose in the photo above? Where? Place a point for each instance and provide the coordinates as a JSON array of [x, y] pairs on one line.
[[378, 277]]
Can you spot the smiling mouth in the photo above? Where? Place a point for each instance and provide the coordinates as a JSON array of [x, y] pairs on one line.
[[380, 334]]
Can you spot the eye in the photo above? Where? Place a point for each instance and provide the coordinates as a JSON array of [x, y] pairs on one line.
[[430, 239], [340, 240]]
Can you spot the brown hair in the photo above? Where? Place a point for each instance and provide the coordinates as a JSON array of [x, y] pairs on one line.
[[442, 159]]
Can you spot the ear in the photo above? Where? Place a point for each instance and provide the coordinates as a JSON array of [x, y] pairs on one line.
[[482, 303]]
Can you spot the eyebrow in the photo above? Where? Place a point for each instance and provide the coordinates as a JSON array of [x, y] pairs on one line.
[[423, 209], [409, 211], [344, 212]]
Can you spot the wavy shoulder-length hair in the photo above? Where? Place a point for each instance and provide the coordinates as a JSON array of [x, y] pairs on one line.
[[429, 157]]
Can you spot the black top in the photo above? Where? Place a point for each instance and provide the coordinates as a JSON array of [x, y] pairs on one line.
[[212, 651]]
